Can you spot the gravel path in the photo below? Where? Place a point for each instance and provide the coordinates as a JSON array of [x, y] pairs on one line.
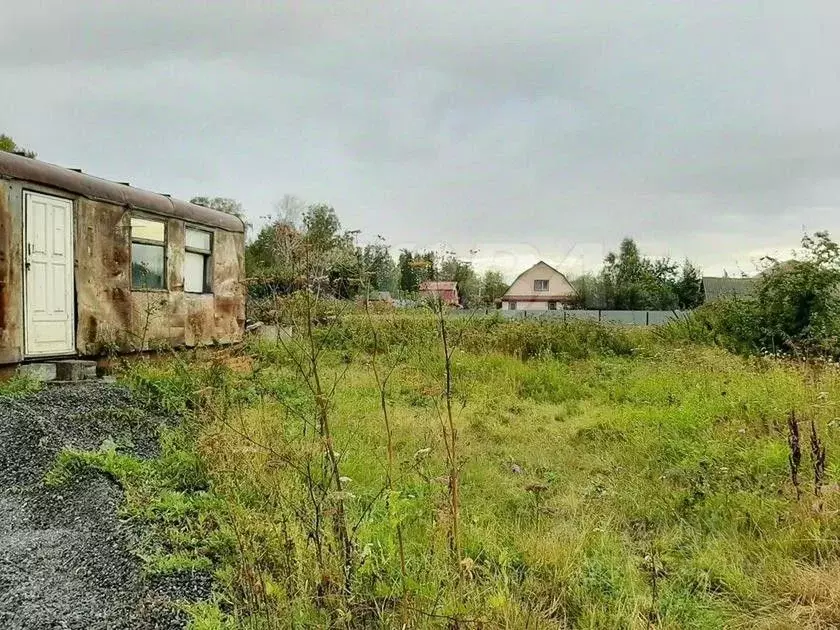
[[64, 553]]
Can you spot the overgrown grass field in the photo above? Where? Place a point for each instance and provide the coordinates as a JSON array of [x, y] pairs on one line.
[[606, 478]]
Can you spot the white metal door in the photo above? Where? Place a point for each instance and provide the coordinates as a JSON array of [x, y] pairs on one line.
[[48, 285]]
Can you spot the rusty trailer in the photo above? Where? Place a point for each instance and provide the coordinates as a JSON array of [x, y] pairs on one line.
[[88, 265]]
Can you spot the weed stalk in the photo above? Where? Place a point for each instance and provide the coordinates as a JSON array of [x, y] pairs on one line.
[[795, 455], [818, 460], [450, 436]]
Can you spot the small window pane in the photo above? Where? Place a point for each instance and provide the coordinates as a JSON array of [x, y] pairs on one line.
[[540, 285], [194, 272], [198, 239], [147, 230], [147, 266]]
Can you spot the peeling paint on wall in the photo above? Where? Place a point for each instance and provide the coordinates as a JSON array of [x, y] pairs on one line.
[[135, 320], [11, 290]]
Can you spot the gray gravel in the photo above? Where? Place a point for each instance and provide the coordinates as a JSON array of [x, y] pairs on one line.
[[65, 559]]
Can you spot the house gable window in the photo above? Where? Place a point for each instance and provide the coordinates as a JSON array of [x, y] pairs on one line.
[[540, 285], [197, 257], [148, 254]]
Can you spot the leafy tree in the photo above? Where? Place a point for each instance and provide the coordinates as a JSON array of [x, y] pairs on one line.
[[322, 228], [630, 281], [591, 291], [426, 266], [270, 259], [659, 283], [408, 280], [380, 267], [798, 301], [330, 253], [463, 273], [317, 254], [493, 287], [689, 287], [10, 146], [223, 204], [414, 268], [624, 277]]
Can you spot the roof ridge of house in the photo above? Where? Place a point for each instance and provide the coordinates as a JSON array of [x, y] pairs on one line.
[[557, 271]]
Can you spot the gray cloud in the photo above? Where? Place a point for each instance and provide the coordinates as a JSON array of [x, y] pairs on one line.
[[704, 129]]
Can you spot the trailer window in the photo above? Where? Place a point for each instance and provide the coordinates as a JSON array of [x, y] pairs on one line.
[[148, 254], [197, 257]]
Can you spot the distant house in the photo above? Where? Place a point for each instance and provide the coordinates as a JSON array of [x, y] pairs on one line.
[[539, 288], [725, 287], [446, 291]]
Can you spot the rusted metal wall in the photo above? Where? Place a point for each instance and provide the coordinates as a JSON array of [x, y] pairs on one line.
[[11, 287], [109, 314]]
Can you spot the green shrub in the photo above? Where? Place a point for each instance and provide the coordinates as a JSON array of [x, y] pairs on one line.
[[794, 309], [19, 385]]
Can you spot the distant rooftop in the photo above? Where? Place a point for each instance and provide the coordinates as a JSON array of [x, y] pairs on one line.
[[716, 288], [438, 285]]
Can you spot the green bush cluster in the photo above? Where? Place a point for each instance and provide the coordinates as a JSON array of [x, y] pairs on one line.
[[793, 310]]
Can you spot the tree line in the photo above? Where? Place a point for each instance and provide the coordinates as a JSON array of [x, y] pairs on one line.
[[312, 235], [630, 281], [627, 281]]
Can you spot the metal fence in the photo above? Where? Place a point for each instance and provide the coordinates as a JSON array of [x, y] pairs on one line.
[[629, 318]]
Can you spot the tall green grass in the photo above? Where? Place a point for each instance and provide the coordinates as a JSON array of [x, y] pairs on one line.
[[609, 479]]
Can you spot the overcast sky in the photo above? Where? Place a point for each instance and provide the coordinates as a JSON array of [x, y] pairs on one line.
[[524, 130]]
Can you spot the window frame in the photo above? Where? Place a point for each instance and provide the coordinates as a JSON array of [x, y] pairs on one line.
[[540, 280], [207, 254], [151, 243]]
